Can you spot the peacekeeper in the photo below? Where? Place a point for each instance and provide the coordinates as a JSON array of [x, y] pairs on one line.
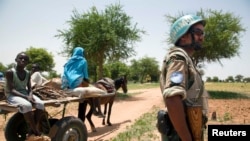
[[181, 83]]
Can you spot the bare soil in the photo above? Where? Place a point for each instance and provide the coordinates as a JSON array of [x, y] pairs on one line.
[[125, 112]]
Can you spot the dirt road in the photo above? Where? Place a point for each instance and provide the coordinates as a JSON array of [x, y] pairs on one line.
[[126, 111]]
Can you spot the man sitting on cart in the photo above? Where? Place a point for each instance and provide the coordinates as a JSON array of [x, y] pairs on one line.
[[36, 77]]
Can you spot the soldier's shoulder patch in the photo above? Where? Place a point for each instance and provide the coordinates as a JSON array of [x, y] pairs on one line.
[[176, 77]]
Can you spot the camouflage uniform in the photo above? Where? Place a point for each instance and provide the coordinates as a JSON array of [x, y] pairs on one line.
[[180, 77]]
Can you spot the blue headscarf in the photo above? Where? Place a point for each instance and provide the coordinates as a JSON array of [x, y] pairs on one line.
[[75, 70]]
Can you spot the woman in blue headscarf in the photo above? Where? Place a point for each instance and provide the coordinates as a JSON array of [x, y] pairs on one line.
[[75, 70]]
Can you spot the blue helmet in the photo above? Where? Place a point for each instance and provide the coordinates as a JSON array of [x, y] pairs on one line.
[[182, 25]]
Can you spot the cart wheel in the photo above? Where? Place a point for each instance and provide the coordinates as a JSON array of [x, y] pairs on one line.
[[16, 128], [52, 121], [45, 127], [68, 128], [42, 122]]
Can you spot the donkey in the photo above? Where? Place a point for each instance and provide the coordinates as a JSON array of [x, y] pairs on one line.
[[109, 100]]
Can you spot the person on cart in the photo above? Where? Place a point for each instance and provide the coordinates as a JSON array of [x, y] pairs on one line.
[[36, 77], [18, 92], [76, 75]]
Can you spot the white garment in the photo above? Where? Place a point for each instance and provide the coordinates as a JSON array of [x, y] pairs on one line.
[[37, 79], [85, 92]]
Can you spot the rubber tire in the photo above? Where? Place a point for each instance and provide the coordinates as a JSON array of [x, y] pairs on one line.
[[69, 128], [45, 130], [52, 121], [16, 128]]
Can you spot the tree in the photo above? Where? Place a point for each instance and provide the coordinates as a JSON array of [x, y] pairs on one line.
[[223, 32], [53, 74], [2, 67], [134, 73], [117, 69], [247, 79], [41, 57], [106, 35], [215, 79], [230, 79], [209, 79], [11, 65], [238, 78], [143, 67]]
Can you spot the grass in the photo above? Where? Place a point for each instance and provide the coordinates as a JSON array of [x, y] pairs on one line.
[[143, 127], [228, 90], [227, 95], [243, 88], [134, 86]]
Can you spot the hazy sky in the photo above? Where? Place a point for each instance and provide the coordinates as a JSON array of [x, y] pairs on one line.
[[35, 23]]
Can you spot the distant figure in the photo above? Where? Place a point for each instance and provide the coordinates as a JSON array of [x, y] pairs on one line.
[[36, 77], [2, 83], [1, 76], [18, 92]]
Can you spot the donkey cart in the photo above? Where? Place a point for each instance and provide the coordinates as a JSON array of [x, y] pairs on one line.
[[67, 128]]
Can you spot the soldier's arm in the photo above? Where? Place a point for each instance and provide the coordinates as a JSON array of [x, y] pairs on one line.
[[177, 116], [174, 95]]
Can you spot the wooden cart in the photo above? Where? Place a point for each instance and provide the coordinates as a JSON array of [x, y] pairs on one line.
[[67, 128]]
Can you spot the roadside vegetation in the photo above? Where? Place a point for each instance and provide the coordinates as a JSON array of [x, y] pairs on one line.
[[144, 128]]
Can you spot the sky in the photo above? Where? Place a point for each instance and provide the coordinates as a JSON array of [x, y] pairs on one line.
[[36, 22]]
